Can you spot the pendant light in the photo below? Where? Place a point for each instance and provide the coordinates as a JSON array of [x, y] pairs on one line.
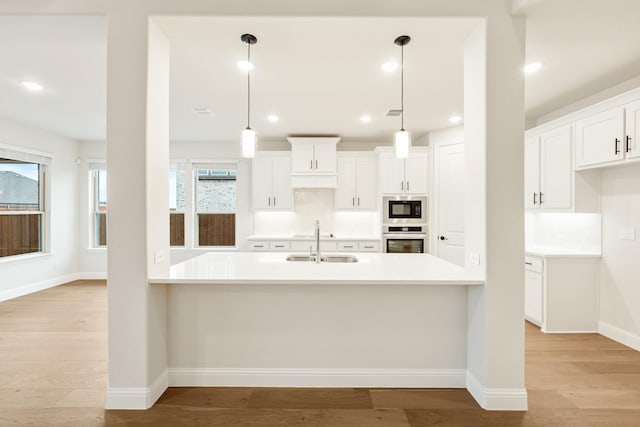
[[402, 138], [248, 134]]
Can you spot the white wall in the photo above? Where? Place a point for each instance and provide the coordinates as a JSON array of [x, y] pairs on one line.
[[580, 232], [24, 274], [620, 270]]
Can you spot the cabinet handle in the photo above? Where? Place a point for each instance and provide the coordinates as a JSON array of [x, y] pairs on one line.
[[348, 246], [617, 149], [279, 246], [358, 201], [353, 201], [541, 201], [628, 146], [528, 263], [316, 164], [311, 164], [274, 200], [368, 247], [407, 185], [535, 200], [402, 185], [269, 201], [258, 246]]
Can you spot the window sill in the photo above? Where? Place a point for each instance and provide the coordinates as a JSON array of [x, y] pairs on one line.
[[24, 257], [96, 250]]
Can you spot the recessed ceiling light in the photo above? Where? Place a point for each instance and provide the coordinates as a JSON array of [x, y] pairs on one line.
[[245, 65], [455, 119], [273, 118], [390, 66], [32, 86], [365, 119], [532, 67]]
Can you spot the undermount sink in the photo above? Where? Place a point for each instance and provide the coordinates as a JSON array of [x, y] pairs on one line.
[[326, 258]]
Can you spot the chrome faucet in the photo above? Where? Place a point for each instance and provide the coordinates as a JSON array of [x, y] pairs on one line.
[[317, 241]]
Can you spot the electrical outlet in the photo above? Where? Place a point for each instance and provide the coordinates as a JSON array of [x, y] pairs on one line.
[[474, 258], [159, 257]]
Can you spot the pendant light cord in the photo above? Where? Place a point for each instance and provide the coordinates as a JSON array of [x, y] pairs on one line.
[[402, 87], [248, 85]]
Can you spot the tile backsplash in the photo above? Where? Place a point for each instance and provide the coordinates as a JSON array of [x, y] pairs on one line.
[[316, 204], [568, 231]]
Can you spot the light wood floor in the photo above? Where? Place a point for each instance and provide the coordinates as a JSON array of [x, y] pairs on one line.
[[53, 372]]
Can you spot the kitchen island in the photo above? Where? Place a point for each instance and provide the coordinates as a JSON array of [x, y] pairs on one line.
[[255, 319]]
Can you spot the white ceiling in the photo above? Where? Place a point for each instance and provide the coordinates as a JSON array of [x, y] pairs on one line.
[[319, 75]]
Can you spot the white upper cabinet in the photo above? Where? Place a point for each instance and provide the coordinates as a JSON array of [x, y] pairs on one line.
[[403, 176], [609, 137], [599, 138], [548, 170], [632, 126], [356, 182], [271, 180], [313, 161]]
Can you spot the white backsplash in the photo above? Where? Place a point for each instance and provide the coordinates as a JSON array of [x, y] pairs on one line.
[[316, 204], [567, 231]]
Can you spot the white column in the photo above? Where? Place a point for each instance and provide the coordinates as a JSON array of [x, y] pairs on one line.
[[494, 129], [138, 212]]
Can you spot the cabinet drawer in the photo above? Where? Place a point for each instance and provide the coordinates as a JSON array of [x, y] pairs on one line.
[[347, 246], [305, 246], [279, 246], [533, 264], [373, 246], [259, 246]]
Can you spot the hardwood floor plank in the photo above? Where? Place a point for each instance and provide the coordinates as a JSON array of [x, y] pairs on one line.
[[468, 418], [310, 398], [423, 399], [207, 397]]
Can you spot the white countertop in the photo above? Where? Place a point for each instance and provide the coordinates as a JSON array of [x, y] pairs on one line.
[[306, 237], [273, 268], [551, 252]]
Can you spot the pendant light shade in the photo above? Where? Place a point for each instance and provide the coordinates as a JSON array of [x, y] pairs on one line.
[[402, 138], [402, 142], [248, 135], [248, 143]]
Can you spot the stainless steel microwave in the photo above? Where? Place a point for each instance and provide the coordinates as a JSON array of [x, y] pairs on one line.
[[404, 209]]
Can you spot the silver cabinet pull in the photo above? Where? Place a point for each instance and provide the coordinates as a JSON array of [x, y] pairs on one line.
[[358, 201], [541, 201], [316, 164], [353, 201], [311, 164], [269, 201], [402, 185], [535, 198], [407, 185], [274, 200]]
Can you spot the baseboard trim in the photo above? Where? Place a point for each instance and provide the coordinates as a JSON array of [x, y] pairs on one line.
[[619, 335], [569, 332], [91, 276], [35, 287], [137, 397], [247, 377], [497, 399]]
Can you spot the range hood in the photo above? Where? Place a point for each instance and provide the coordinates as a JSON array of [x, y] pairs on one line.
[[314, 162]]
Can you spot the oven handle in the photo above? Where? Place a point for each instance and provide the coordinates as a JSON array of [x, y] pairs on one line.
[[405, 236]]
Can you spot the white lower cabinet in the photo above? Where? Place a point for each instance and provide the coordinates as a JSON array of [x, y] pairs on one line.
[[306, 246], [561, 293]]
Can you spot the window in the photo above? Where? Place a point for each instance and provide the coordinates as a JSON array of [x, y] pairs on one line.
[[215, 204], [176, 205], [99, 180], [21, 203]]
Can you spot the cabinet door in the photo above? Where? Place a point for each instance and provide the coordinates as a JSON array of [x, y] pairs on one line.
[[346, 191], [531, 172], [415, 173], [281, 178], [533, 297], [556, 170], [632, 121], [365, 183], [302, 157], [599, 138], [390, 173], [325, 157], [261, 183]]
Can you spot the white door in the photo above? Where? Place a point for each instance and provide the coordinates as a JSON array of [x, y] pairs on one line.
[[365, 183], [631, 143], [324, 157], [302, 157], [415, 173], [556, 169], [346, 191], [450, 203], [281, 177], [599, 138], [531, 172]]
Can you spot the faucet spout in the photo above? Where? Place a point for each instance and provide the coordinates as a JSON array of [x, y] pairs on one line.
[[317, 241]]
